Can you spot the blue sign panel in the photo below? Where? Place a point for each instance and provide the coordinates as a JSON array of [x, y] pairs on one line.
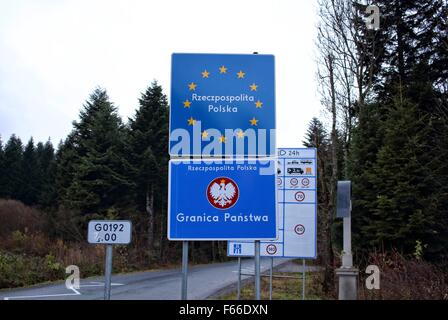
[[222, 104], [222, 200]]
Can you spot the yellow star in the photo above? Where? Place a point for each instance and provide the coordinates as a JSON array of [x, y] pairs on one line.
[[253, 121], [258, 104], [187, 104], [222, 139], [192, 86], [223, 69], [204, 134], [240, 134], [205, 74], [253, 87], [191, 121], [241, 74]]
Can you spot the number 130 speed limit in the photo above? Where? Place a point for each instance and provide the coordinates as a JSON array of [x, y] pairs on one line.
[[109, 231]]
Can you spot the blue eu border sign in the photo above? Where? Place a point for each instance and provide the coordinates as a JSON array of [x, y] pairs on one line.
[[297, 209], [222, 104], [222, 199]]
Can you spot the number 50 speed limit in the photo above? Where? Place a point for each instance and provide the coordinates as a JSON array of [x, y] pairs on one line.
[[110, 231]]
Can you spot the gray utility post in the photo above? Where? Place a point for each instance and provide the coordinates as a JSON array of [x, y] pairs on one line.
[[238, 296], [184, 270], [109, 232], [257, 260], [303, 278], [108, 272], [257, 269], [347, 274], [270, 278]]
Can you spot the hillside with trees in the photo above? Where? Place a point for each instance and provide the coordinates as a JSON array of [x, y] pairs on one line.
[[385, 92]]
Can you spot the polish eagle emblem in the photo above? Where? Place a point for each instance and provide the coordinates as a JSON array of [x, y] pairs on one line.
[[222, 193]]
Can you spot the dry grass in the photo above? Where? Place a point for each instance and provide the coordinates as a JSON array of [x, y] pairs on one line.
[[29, 256], [405, 279]]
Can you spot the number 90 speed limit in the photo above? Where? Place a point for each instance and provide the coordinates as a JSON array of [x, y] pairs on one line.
[[109, 232]]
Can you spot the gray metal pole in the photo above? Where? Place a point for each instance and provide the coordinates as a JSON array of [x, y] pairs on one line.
[[238, 296], [184, 269], [303, 278], [347, 258], [108, 272], [257, 269], [270, 278]]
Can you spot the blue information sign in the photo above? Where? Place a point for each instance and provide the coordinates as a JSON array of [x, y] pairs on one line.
[[222, 104], [222, 200]]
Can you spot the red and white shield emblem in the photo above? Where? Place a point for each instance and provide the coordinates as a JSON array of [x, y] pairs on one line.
[[222, 193]]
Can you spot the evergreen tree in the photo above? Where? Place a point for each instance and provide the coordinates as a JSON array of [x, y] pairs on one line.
[[13, 170], [367, 139], [31, 171], [94, 155], [148, 149], [397, 157], [398, 219], [317, 137], [2, 170], [414, 33], [66, 160], [47, 167]]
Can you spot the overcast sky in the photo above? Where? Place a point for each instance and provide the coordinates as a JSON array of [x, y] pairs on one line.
[[53, 53]]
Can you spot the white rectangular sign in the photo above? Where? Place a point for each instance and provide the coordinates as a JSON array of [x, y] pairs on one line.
[[296, 207], [110, 231]]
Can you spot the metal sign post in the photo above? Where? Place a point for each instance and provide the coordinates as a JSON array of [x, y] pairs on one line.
[[109, 232], [108, 272], [238, 296], [347, 274], [303, 278], [184, 269], [270, 278], [257, 269]]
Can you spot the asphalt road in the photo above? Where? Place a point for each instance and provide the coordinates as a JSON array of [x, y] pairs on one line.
[[203, 282]]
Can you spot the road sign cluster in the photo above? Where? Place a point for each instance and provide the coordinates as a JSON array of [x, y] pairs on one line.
[[296, 206], [222, 104]]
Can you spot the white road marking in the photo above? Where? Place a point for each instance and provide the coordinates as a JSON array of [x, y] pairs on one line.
[[76, 293], [99, 284]]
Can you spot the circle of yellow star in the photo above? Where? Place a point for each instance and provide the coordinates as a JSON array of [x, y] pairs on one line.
[[253, 121], [222, 139], [240, 134], [204, 134], [192, 86], [253, 87], [205, 74], [240, 74], [222, 69], [191, 121], [258, 104], [187, 104]]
